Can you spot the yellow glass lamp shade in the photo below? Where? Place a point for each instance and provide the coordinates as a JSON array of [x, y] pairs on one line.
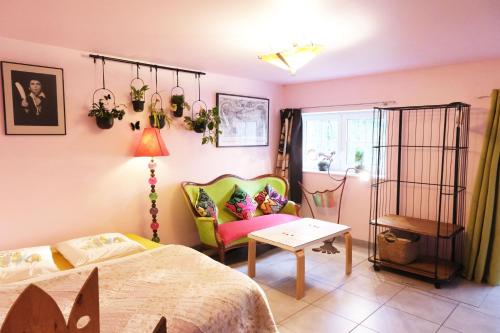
[[294, 58]]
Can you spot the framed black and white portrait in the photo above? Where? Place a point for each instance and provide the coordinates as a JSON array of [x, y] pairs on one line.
[[33, 99], [244, 121]]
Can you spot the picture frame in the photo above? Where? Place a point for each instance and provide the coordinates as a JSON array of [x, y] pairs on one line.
[[33, 99], [244, 121]]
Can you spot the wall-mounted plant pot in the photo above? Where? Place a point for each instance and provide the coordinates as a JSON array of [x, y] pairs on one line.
[[138, 105], [178, 111], [199, 127], [323, 166], [161, 122], [104, 122]]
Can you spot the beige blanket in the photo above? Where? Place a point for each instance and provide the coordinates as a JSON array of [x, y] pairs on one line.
[[194, 293]]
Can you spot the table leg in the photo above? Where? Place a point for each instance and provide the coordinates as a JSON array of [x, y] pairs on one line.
[[301, 274], [252, 249], [348, 253]]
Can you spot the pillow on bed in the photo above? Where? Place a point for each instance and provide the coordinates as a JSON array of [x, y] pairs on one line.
[[22, 264], [92, 249]]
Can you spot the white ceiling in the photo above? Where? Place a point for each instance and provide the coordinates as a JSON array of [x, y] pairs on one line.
[[225, 36]]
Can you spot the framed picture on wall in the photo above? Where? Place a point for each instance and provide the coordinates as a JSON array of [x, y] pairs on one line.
[[33, 99], [244, 121]]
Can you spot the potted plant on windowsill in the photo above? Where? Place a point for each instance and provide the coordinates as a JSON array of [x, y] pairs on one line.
[[178, 104], [138, 97], [325, 161], [206, 122], [358, 160], [103, 116]]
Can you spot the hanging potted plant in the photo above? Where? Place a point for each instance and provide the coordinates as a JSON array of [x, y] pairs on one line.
[[178, 104], [103, 115], [206, 122], [138, 97], [138, 94], [157, 117], [105, 109], [177, 100]]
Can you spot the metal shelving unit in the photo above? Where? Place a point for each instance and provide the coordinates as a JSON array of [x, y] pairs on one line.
[[419, 182]]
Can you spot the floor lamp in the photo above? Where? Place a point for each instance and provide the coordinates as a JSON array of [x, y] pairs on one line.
[[152, 145]]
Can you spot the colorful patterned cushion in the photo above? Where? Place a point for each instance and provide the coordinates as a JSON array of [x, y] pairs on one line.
[[241, 204], [270, 201], [205, 206]]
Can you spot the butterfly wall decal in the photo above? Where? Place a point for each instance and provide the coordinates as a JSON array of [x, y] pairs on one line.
[[136, 125]]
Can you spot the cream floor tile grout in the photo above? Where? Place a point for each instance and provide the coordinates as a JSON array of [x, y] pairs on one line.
[[381, 305], [288, 317], [448, 317]]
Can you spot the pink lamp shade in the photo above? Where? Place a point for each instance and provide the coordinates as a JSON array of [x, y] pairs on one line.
[[151, 144]]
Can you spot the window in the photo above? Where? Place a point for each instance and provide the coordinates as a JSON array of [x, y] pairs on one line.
[[345, 135]]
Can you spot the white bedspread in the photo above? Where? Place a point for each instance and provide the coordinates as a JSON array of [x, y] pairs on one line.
[[194, 293]]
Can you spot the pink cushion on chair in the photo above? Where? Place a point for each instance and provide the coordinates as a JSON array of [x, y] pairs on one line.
[[232, 231]]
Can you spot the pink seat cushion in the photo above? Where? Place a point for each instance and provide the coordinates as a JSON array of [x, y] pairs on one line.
[[232, 231]]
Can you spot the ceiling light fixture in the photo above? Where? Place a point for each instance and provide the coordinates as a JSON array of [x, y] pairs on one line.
[[294, 58]]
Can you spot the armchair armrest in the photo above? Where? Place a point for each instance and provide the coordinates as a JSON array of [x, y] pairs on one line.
[[291, 208], [207, 230]]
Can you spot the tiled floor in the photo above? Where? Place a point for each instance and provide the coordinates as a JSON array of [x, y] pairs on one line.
[[369, 301]]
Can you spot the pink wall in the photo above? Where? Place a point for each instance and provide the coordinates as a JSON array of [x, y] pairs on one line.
[[56, 187], [437, 85]]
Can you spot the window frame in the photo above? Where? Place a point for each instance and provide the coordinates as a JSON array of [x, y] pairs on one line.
[[343, 117]]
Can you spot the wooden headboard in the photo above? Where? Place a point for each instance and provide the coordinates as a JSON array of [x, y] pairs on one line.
[[35, 311]]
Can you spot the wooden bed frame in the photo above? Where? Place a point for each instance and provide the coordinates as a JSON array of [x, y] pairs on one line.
[[35, 311]]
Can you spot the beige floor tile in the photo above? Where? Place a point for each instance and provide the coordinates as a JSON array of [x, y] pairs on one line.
[[330, 272], [283, 329], [491, 304], [362, 329], [464, 291], [467, 320], [372, 289], [314, 319], [270, 274], [282, 305], [423, 305], [347, 305], [366, 269], [389, 320], [314, 289]]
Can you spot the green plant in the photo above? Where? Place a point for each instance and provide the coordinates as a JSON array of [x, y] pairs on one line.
[[138, 94], [158, 115], [177, 101], [99, 110], [358, 156], [206, 122]]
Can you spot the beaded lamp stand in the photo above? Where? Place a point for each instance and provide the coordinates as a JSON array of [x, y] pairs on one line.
[[153, 196], [152, 145]]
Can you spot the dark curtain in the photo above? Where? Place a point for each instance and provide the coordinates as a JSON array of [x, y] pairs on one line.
[[289, 160]]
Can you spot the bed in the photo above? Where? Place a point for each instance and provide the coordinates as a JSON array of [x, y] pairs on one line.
[[194, 292]]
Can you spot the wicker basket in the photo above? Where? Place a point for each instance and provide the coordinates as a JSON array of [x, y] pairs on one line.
[[398, 246]]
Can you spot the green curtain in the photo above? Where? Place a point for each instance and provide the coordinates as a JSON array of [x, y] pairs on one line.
[[482, 237]]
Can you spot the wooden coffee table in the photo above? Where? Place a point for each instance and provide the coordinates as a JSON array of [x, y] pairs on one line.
[[294, 237]]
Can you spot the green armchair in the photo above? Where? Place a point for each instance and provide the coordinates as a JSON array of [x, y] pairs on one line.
[[223, 238]]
